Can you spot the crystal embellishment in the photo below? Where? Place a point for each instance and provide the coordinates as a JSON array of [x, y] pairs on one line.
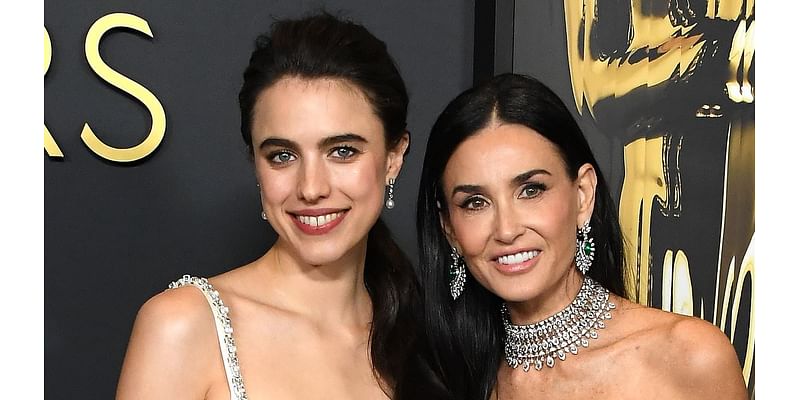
[[224, 330], [549, 340]]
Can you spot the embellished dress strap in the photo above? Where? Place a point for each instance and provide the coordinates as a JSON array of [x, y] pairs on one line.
[[224, 333]]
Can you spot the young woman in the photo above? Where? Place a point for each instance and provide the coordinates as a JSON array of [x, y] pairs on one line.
[[522, 265], [327, 311]]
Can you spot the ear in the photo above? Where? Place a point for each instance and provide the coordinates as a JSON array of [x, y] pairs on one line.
[[447, 228], [394, 159], [587, 185]]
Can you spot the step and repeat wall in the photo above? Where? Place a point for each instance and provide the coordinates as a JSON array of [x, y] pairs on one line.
[[665, 92], [146, 175]]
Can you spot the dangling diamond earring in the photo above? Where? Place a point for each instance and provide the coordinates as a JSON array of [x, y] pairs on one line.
[[584, 253], [458, 274], [390, 200]]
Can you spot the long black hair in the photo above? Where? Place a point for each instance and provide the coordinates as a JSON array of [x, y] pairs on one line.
[[466, 335], [324, 46]]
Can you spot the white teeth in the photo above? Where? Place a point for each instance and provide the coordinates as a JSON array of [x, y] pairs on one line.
[[517, 258], [318, 220]]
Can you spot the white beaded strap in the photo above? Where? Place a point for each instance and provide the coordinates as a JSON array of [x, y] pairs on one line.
[[224, 333]]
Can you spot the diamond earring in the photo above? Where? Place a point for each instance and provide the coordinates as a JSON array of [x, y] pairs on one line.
[[584, 253], [264, 215], [458, 274], [390, 200]]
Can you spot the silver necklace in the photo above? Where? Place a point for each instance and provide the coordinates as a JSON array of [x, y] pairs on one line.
[[543, 342]]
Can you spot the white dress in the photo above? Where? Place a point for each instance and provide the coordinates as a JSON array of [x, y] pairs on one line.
[[227, 346]]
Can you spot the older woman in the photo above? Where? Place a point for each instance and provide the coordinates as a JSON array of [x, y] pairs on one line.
[[522, 265]]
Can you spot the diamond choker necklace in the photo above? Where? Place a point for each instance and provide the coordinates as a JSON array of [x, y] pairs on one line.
[[543, 342]]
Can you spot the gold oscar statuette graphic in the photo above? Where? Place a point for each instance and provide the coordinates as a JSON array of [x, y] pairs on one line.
[[159, 120], [666, 45], [676, 49], [50, 145], [644, 183]]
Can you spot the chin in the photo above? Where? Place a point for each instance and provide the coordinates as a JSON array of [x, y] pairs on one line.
[[320, 257], [515, 293]]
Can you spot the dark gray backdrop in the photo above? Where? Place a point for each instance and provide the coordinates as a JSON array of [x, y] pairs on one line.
[[116, 234]]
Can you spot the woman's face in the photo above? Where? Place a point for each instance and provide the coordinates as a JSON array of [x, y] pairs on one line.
[[514, 211], [322, 164]]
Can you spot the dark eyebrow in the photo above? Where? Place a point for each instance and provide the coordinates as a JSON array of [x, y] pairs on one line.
[[468, 189], [523, 177], [277, 142], [326, 142], [345, 137], [518, 180]]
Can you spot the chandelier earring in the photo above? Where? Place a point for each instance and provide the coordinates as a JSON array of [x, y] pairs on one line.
[[458, 273], [584, 252], [390, 195]]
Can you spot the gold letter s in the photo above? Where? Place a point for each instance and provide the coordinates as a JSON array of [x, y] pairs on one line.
[[143, 149], [50, 144]]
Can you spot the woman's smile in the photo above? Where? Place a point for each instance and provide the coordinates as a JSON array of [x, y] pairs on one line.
[[319, 221]]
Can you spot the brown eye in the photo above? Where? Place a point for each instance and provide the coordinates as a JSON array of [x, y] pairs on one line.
[[474, 203], [531, 190]]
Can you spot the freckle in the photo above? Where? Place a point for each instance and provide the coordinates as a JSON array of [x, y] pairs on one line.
[[637, 347]]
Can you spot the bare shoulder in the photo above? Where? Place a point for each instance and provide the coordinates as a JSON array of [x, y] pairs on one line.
[[693, 353], [173, 340], [176, 315]]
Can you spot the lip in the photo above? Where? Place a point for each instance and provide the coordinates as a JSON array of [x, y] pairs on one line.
[[319, 229], [516, 268]]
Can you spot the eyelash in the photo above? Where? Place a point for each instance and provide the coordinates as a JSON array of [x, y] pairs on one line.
[[469, 203], [352, 152], [538, 187], [272, 157]]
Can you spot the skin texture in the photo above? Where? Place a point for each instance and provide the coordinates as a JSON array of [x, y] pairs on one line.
[[496, 206], [300, 313]]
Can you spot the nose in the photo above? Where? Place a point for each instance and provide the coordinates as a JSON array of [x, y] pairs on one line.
[[313, 183], [507, 224]]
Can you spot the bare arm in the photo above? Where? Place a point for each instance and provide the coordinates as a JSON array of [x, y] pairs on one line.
[[173, 349]]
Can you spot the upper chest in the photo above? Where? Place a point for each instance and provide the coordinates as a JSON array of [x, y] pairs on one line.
[[281, 356]]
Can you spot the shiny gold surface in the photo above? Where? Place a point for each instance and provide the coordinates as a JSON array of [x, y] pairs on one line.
[[597, 79], [643, 184], [50, 145], [139, 92], [664, 50]]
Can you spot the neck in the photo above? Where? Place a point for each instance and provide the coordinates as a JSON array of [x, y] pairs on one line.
[[548, 302], [333, 293]]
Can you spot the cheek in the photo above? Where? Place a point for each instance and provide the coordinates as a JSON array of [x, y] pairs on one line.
[[473, 232], [276, 186], [361, 181], [556, 225]]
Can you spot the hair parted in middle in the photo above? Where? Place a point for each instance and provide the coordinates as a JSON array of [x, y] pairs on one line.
[[466, 335]]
